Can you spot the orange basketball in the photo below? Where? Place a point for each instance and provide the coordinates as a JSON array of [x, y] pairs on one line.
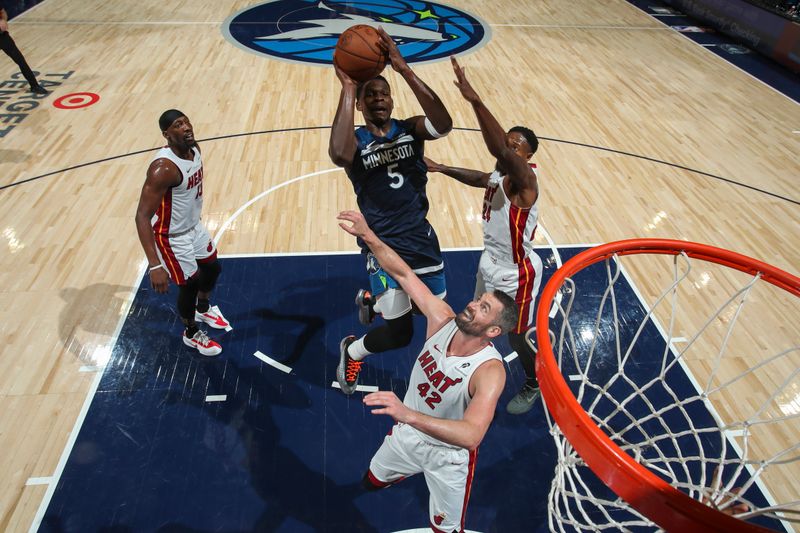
[[358, 53]]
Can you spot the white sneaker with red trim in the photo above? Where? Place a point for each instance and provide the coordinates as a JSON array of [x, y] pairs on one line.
[[213, 317], [202, 343]]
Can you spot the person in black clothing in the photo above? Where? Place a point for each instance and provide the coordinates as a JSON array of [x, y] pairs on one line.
[[8, 46]]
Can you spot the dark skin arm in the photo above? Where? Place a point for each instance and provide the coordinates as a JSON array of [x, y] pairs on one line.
[[473, 178], [429, 100], [342, 144], [3, 20], [161, 175], [516, 167]]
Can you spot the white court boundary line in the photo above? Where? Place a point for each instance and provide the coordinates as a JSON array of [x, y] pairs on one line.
[[696, 384], [227, 224], [73, 436], [712, 53], [45, 503]]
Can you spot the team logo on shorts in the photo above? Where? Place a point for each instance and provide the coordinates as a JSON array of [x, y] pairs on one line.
[[372, 264], [306, 31]]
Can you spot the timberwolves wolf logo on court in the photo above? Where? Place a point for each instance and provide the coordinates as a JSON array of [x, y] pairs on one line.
[[306, 31]]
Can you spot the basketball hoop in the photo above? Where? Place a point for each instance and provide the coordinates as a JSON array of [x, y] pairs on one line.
[[661, 460]]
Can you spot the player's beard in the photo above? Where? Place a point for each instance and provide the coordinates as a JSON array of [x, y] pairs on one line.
[[467, 325]]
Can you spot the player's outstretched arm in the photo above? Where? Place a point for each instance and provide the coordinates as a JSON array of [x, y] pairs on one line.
[[439, 121], [342, 144], [486, 385], [473, 178], [493, 134], [435, 310], [161, 175]]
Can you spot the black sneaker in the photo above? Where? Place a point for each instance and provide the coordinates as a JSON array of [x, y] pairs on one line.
[[39, 90], [366, 304], [348, 369]]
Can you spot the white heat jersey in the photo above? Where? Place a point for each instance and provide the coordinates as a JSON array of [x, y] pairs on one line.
[[180, 208], [508, 230], [439, 385]]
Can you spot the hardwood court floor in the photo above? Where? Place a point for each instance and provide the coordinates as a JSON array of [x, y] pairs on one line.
[[598, 73]]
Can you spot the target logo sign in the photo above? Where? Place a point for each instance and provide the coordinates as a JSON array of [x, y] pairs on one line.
[[76, 100]]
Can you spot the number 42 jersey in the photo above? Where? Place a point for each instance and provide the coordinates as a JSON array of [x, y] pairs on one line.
[[439, 385]]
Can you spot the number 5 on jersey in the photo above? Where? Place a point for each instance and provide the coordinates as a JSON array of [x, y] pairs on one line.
[[395, 176]]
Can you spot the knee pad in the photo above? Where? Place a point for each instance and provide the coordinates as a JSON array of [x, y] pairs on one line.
[[208, 274], [187, 299]]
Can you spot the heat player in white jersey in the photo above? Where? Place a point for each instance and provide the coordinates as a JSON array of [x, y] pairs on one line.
[[510, 212], [452, 392], [176, 243]]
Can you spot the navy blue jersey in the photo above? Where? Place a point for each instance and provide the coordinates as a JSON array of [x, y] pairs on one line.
[[389, 177]]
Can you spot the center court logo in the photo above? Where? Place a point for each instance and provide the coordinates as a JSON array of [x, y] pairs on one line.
[[306, 31]]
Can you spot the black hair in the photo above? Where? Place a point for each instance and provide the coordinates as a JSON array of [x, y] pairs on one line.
[[530, 137], [361, 85], [168, 117], [507, 319]]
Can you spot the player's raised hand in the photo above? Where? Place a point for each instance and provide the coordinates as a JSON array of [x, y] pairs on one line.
[[358, 225], [390, 405], [388, 45], [463, 84]]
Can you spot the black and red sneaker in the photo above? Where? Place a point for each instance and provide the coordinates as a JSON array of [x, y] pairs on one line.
[[366, 307], [348, 369]]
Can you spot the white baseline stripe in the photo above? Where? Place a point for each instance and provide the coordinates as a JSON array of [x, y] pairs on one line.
[[272, 362], [356, 252], [38, 481], [723, 59], [37, 520], [216, 397], [359, 388]]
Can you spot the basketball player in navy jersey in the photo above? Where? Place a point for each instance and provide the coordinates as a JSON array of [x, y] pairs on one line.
[[510, 212], [176, 243], [384, 161], [452, 391]]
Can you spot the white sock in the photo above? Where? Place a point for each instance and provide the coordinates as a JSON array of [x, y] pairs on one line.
[[357, 351]]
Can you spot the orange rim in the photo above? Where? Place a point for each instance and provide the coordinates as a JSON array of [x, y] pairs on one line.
[[668, 507]]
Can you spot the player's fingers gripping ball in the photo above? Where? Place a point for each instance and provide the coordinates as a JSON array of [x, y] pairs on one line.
[[359, 54]]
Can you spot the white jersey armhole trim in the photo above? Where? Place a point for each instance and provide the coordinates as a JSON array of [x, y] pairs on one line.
[[432, 131]]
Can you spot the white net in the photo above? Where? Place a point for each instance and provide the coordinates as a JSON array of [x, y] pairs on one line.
[[695, 373]]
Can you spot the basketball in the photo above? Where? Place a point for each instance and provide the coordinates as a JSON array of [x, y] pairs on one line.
[[358, 53]]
